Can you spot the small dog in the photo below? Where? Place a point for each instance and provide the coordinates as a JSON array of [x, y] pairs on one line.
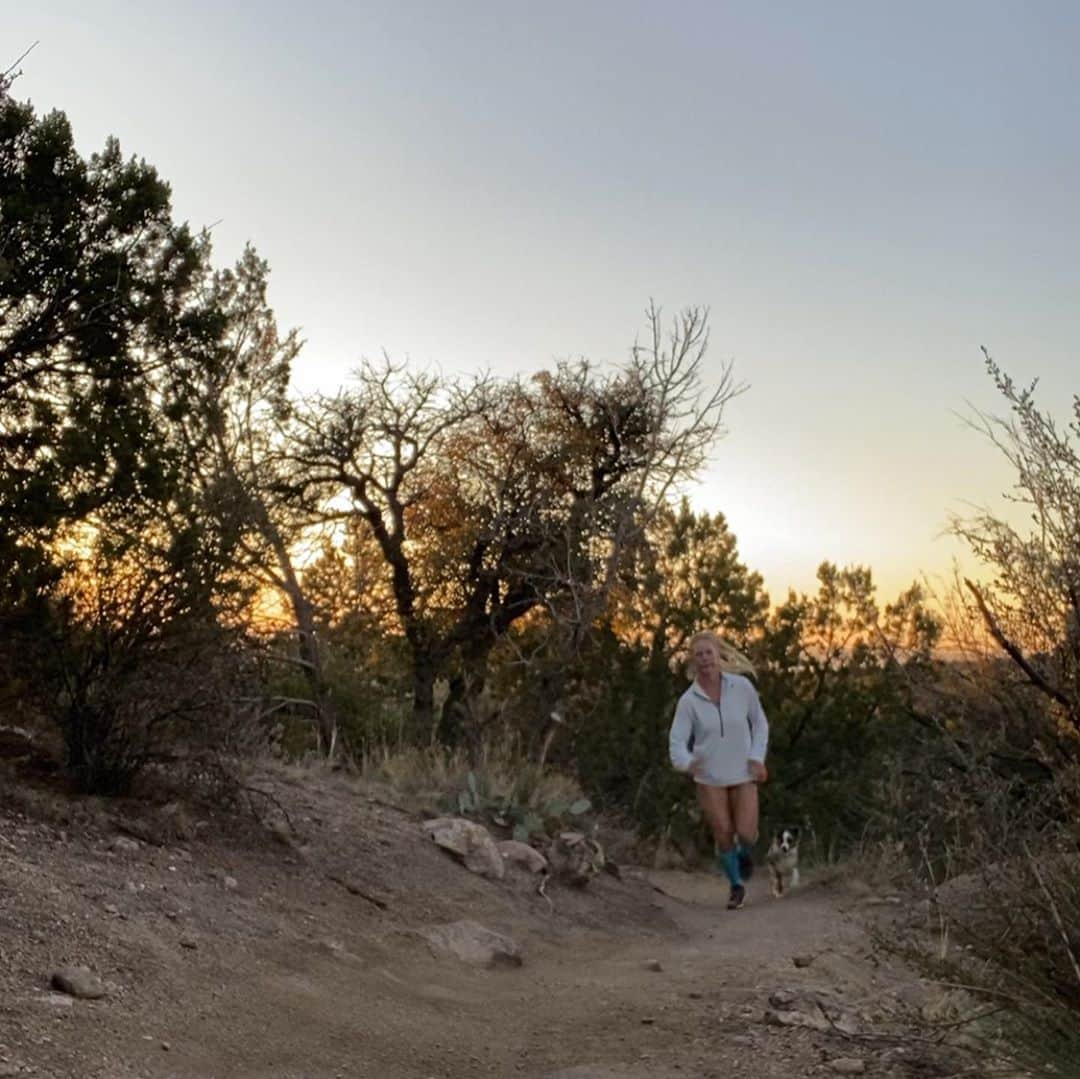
[[783, 860]]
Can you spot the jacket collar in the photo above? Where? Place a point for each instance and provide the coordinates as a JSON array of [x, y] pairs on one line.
[[699, 692]]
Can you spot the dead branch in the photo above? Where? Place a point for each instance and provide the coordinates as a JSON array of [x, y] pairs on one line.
[[1016, 654]]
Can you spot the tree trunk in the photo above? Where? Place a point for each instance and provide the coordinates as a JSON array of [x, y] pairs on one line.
[[307, 642], [461, 722], [311, 662], [423, 714]]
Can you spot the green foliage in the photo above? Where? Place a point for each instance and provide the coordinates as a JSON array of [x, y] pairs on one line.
[[835, 673], [836, 677], [501, 790], [118, 548], [99, 304], [686, 578], [528, 809]]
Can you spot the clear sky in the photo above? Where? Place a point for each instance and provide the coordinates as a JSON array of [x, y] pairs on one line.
[[862, 192]]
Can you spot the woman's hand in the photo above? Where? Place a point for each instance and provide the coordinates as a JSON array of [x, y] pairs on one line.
[[758, 772], [694, 767]]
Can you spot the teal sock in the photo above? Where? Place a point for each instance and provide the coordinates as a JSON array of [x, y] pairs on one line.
[[728, 862]]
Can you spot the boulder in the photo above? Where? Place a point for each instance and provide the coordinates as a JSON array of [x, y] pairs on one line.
[[521, 854], [472, 943], [469, 841]]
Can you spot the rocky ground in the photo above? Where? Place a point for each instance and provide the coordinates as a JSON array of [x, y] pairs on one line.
[[306, 936]]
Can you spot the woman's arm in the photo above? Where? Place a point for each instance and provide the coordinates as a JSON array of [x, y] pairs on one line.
[[682, 728], [759, 728]]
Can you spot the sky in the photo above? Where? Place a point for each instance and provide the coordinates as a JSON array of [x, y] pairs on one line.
[[862, 193]]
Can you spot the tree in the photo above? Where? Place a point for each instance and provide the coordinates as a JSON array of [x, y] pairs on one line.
[[235, 432], [116, 548], [1031, 605], [691, 578], [100, 305], [837, 675], [488, 501], [143, 637]]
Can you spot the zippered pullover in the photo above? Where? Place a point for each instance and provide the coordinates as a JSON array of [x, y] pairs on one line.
[[724, 737]]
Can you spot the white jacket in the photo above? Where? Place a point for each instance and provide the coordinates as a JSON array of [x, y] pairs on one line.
[[724, 737]]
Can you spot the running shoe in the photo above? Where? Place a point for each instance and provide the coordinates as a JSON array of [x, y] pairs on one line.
[[737, 897]]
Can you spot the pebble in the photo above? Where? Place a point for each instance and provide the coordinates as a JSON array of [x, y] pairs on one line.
[[77, 982], [848, 1065]]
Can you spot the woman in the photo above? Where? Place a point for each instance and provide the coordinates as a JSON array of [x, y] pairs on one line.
[[719, 737]]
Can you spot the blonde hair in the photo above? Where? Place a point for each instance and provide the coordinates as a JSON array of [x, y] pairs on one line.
[[732, 661]]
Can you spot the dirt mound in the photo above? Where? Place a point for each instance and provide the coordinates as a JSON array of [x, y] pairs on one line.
[[307, 943]]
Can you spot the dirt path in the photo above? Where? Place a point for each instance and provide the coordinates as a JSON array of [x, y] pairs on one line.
[[229, 961], [586, 1005]]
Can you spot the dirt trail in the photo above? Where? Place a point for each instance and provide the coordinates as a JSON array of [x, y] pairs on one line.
[[585, 1005], [230, 959]]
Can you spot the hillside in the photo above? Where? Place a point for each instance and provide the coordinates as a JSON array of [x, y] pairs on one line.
[[245, 944]]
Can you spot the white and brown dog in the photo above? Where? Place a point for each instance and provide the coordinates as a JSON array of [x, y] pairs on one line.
[[783, 860]]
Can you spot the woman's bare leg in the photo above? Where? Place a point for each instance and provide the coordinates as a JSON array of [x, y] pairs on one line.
[[715, 805], [743, 811]]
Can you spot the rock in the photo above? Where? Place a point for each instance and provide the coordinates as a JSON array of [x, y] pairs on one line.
[[77, 982], [471, 842], [575, 858], [189, 942], [654, 965], [472, 943], [802, 961], [816, 1011], [230, 884], [848, 1065], [122, 844], [784, 1018], [521, 854], [9, 1070], [111, 908]]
